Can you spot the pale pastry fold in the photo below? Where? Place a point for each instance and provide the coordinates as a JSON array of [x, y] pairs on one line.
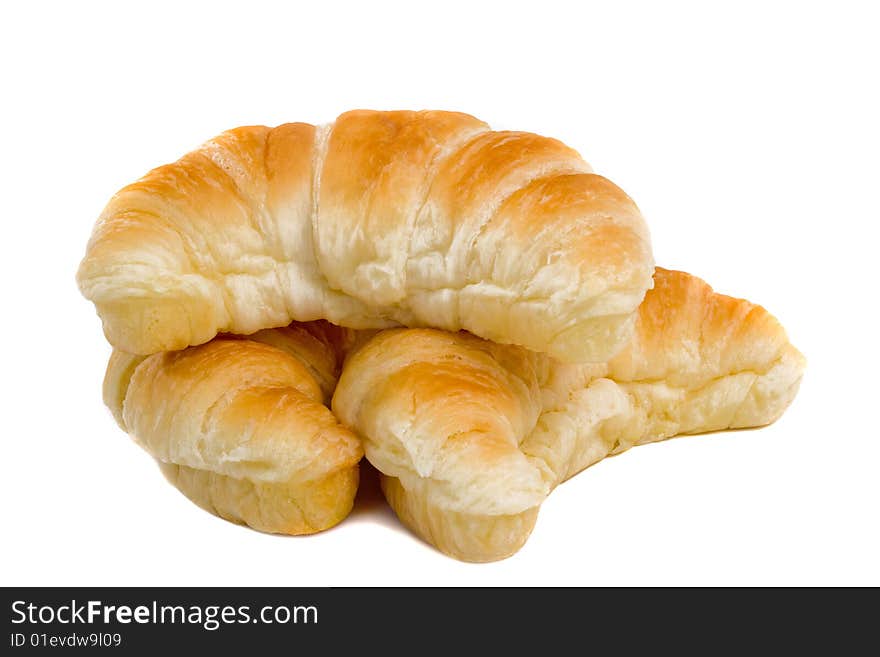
[[471, 436], [240, 426], [379, 219]]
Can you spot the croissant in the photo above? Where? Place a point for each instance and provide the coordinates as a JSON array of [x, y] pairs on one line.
[[381, 219], [470, 436], [240, 426]]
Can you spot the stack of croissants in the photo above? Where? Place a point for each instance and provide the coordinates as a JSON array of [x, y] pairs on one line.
[[474, 311]]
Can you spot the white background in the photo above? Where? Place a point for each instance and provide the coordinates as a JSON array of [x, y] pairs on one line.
[[748, 136]]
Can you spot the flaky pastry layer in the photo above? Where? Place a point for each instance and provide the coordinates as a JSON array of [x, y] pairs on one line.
[[240, 426]]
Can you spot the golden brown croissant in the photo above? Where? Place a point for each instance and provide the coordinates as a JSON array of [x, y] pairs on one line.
[[471, 436], [240, 426], [380, 219]]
